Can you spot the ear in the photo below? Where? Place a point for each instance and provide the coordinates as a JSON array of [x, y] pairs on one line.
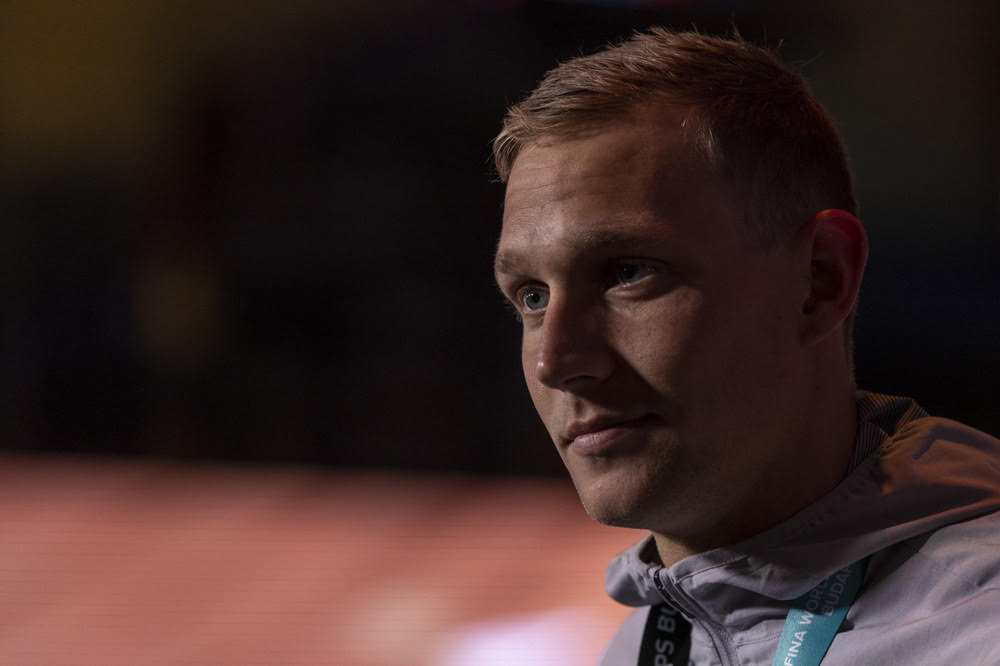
[[839, 249]]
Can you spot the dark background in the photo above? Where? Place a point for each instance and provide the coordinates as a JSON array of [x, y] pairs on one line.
[[264, 231]]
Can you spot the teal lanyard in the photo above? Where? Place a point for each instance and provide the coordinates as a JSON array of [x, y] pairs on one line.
[[809, 629], [816, 616]]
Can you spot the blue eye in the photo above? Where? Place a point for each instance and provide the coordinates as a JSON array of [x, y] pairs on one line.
[[534, 298], [631, 272]]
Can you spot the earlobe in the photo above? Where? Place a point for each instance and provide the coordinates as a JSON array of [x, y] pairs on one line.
[[838, 252]]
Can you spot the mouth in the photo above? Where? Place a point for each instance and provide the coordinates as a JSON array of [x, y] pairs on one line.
[[606, 435]]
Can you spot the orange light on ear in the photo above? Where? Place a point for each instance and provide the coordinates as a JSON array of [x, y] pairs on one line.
[[838, 251]]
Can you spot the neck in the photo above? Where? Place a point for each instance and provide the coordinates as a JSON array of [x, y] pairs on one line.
[[815, 462]]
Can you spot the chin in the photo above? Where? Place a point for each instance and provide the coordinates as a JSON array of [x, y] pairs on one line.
[[615, 508], [632, 491], [614, 517]]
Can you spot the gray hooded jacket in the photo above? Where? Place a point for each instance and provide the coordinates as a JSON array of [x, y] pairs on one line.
[[922, 500]]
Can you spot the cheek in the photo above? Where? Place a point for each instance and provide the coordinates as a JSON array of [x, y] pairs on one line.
[[662, 340], [694, 355], [738, 354]]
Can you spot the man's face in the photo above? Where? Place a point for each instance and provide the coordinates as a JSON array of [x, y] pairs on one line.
[[659, 351]]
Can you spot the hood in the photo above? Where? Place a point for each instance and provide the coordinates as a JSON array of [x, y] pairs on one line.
[[912, 474]]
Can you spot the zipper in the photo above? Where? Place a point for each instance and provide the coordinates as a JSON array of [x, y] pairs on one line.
[[683, 604]]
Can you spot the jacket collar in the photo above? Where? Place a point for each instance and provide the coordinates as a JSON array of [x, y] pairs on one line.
[[911, 474]]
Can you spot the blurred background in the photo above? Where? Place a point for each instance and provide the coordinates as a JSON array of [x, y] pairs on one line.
[[245, 281]]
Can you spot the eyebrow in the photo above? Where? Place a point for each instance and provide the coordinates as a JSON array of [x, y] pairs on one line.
[[507, 262]]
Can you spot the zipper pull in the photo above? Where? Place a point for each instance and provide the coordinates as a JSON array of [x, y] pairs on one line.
[[669, 598]]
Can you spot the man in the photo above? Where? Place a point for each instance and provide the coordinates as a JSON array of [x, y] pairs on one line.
[[680, 242]]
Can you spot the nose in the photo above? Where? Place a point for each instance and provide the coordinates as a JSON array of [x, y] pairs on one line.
[[569, 350]]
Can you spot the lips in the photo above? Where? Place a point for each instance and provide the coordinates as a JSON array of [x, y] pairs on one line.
[[605, 434]]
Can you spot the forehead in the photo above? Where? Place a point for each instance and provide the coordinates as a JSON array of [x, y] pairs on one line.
[[640, 176]]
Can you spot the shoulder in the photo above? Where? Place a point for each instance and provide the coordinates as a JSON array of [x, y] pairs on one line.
[[934, 598], [952, 566]]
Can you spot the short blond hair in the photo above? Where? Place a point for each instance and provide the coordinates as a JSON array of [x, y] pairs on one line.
[[757, 123]]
